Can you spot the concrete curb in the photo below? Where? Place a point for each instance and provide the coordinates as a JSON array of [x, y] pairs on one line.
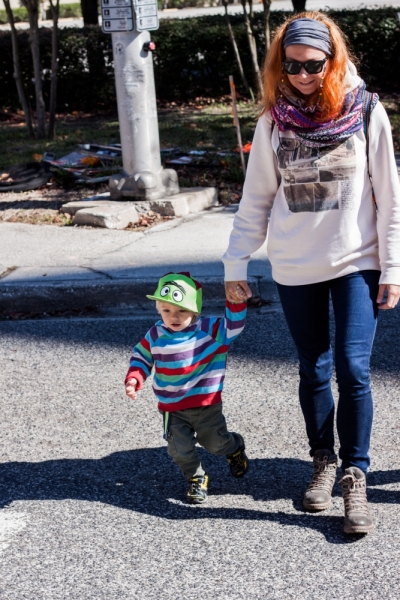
[[122, 293], [104, 211]]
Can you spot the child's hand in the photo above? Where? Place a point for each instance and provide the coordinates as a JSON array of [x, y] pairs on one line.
[[130, 388]]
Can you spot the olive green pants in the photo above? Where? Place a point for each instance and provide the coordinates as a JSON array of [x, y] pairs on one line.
[[204, 425]]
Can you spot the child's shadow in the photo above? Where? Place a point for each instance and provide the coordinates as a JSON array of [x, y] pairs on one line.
[[148, 482]]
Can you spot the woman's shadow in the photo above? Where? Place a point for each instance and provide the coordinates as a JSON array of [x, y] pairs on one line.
[[148, 482]]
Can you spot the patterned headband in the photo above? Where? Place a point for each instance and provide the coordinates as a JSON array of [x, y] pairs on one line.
[[309, 33]]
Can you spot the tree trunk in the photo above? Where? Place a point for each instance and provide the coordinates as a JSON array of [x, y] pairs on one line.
[[90, 12], [267, 31], [55, 11], [299, 5], [32, 6], [17, 71], [253, 47], [235, 47]]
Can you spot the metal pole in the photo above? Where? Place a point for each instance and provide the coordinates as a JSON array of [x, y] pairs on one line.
[[237, 124], [143, 175]]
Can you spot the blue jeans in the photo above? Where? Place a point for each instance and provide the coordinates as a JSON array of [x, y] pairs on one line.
[[306, 308]]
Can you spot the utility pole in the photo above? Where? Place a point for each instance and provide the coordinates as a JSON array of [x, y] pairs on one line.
[[143, 176]]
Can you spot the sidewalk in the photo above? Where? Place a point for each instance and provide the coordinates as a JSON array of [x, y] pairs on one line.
[[54, 268], [47, 268]]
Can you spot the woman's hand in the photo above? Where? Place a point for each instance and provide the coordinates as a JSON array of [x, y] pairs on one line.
[[393, 295], [237, 291]]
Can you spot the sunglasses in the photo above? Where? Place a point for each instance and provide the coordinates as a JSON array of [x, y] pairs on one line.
[[312, 67]]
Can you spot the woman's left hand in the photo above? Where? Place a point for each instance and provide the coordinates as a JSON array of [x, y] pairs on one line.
[[393, 295]]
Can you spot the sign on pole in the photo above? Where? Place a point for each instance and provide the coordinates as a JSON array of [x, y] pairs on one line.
[[146, 15], [117, 15]]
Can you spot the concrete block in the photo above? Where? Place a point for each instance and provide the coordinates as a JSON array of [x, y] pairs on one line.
[[117, 216], [71, 208], [201, 199], [189, 200]]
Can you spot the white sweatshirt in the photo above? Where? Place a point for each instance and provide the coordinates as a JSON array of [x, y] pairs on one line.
[[324, 223]]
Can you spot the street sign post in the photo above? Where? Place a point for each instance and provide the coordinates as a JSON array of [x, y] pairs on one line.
[[117, 15], [143, 176], [146, 15]]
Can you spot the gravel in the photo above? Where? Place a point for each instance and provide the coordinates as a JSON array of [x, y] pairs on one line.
[[93, 508]]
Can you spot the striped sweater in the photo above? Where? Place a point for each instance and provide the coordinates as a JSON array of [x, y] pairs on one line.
[[189, 365]]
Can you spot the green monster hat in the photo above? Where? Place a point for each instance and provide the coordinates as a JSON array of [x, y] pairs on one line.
[[180, 290]]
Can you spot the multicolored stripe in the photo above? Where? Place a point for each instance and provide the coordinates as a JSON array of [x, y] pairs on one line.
[[189, 366], [312, 129]]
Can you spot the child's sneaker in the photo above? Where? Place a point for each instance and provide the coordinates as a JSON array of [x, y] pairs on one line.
[[238, 461], [198, 488]]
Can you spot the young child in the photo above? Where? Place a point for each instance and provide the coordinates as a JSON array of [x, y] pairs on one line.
[[189, 355]]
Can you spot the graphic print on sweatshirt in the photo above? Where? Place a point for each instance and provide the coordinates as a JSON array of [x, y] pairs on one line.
[[317, 179]]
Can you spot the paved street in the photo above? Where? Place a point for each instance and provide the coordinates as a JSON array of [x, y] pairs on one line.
[[185, 13], [48, 268], [93, 508]]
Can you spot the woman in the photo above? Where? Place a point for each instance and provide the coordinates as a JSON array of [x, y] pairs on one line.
[[311, 166]]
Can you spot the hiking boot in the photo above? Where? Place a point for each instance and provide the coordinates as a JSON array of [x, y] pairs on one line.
[[318, 495], [238, 461], [357, 518], [198, 488]]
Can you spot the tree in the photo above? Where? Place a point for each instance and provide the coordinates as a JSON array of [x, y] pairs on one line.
[[90, 12], [251, 38], [55, 11], [32, 6], [235, 47], [267, 31], [299, 5], [17, 70]]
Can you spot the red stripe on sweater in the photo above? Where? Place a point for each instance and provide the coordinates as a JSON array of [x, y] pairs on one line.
[[192, 402], [190, 368], [145, 344], [215, 328], [236, 307]]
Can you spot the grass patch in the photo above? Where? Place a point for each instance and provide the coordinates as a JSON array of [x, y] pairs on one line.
[[20, 15], [36, 217], [16, 147], [203, 128], [70, 11], [67, 11], [209, 128], [187, 127]]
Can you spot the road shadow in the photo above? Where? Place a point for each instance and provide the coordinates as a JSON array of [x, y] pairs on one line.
[[265, 338], [146, 481]]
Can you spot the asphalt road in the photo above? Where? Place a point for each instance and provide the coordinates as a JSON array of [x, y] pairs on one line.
[[93, 508], [186, 13]]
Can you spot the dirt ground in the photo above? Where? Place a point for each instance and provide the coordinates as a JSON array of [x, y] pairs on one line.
[[42, 206], [186, 127]]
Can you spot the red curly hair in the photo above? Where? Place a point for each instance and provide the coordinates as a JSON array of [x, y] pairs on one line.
[[333, 91]]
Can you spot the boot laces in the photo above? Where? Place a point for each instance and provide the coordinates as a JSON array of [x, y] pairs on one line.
[[236, 460], [195, 485], [324, 474], [354, 495]]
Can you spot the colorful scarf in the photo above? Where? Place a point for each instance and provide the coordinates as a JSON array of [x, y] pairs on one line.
[[290, 114]]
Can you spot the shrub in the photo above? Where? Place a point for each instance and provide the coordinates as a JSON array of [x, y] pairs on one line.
[[194, 58]]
